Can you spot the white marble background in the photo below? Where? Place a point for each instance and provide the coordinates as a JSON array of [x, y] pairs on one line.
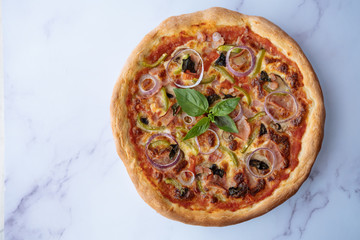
[[63, 177]]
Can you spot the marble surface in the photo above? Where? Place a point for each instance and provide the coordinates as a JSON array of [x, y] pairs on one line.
[[63, 177]]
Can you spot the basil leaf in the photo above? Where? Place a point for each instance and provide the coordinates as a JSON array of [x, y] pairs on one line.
[[225, 107], [191, 101], [199, 128], [226, 123]]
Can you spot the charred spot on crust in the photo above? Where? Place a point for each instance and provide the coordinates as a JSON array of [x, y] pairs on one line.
[[212, 98], [239, 191], [188, 64], [262, 130], [221, 61], [284, 68], [259, 186], [217, 171]]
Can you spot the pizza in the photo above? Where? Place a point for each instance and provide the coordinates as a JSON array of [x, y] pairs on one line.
[[217, 116]]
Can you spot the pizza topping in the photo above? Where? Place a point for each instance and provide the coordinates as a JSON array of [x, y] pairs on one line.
[[256, 117], [209, 141], [162, 157], [227, 136], [280, 106], [264, 76], [237, 114], [149, 85], [251, 139], [258, 64], [260, 163], [275, 83], [245, 93], [184, 67], [231, 154], [262, 130], [239, 191], [186, 177], [188, 119], [235, 63], [224, 73], [165, 99], [175, 109], [155, 64], [221, 61], [143, 123], [217, 171], [212, 98]]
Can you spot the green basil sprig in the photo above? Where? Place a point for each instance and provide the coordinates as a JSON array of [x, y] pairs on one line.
[[195, 104]]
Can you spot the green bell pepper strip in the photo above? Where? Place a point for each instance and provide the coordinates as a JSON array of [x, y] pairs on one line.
[[258, 63], [155, 64], [224, 73], [199, 186], [160, 143], [246, 94], [251, 139], [173, 182], [225, 48], [206, 80], [256, 117], [148, 128], [165, 98], [232, 155]]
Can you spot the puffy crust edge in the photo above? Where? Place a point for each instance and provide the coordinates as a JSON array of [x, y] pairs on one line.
[[311, 141]]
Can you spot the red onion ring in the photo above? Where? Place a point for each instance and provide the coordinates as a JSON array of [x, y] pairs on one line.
[[271, 116], [239, 115], [154, 89], [202, 68], [184, 182], [155, 164], [272, 164], [213, 150], [253, 61]]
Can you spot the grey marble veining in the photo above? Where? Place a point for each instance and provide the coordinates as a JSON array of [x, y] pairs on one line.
[[63, 177]]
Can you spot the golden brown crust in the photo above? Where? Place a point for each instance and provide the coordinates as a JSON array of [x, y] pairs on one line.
[[311, 141]]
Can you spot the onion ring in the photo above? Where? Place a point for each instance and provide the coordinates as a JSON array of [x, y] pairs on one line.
[[247, 72], [151, 91], [155, 164], [271, 116], [186, 182], [213, 150], [202, 68], [239, 115], [272, 163]]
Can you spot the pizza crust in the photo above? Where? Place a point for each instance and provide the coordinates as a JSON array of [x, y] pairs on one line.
[[311, 141]]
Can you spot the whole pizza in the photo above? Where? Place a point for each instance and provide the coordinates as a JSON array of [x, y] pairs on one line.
[[217, 116]]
